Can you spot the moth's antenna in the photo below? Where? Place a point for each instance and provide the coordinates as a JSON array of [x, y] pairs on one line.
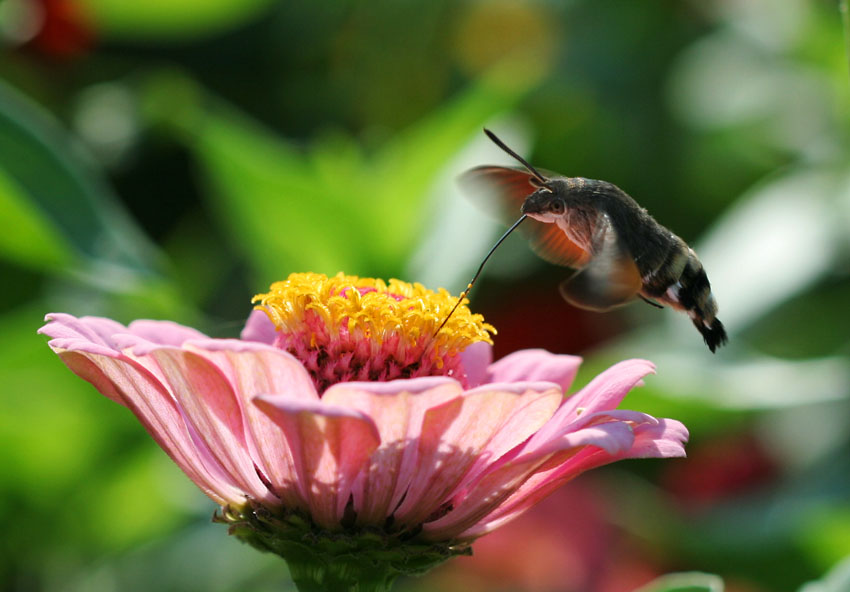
[[504, 147], [465, 293]]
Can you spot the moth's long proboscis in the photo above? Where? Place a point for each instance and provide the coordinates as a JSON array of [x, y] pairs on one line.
[[465, 293]]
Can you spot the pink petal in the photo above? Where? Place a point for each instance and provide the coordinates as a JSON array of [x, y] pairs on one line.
[[663, 439], [536, 488], [480, 500], [635, 417], [605, 391], [329, 445], [210, 404], [397, 408], [423, 384], [655, 438], [604, 437], [535, 365], [476, 359], [90, 334], [101, 331], [495, 487], [538, 445], [253, 369], [134, 387], [106, 337], [614, 438], [667, 439], [457, 434], [538, 401], [259, 327], [164, 332]]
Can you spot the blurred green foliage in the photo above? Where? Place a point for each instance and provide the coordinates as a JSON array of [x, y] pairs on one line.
[[170, 161], [160, 21], [272, 195]]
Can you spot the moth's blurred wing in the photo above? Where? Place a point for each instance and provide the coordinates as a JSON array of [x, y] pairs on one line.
[[499, 191], [610, 279], [502, 191]]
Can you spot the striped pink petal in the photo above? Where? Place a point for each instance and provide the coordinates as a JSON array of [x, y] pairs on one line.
[[664, 439], [605, 391], [477, 359], [398, 409], [535, 365], [329, 444], [210, 404], [259, 328], [85, 347], [253, 369], [461, 434]]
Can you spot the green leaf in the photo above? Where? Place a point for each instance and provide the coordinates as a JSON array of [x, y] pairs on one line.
[[159, 20], [52, 190], [826, 534], [283, 209], [328, 207], [27, 238], [685, 582]]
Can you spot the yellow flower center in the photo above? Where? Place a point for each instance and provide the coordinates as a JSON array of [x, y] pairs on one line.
[[345, 319]]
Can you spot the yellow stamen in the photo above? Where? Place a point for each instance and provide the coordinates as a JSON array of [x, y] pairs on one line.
[[372, 309]]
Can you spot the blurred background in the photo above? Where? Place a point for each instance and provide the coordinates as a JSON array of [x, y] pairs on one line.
[[171, 159]]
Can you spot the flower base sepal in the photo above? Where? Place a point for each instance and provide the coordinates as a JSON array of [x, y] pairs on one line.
[[354, 559]]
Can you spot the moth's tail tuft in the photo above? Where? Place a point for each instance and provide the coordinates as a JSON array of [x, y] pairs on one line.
[[714, 334]]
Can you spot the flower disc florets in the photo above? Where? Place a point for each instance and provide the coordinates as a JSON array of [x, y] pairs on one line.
[[345, 328]]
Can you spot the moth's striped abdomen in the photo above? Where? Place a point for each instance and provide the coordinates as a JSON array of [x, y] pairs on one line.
[[690, 292]]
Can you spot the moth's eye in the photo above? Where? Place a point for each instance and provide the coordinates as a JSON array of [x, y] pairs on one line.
[[558, 206]]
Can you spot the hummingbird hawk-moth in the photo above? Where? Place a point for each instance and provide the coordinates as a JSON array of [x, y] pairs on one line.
[[617, 251]]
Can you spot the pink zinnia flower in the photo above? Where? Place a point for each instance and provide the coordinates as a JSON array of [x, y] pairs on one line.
[[340, 426]]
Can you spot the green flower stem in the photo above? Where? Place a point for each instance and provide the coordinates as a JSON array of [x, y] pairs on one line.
[[845, 20], [352, 574]]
